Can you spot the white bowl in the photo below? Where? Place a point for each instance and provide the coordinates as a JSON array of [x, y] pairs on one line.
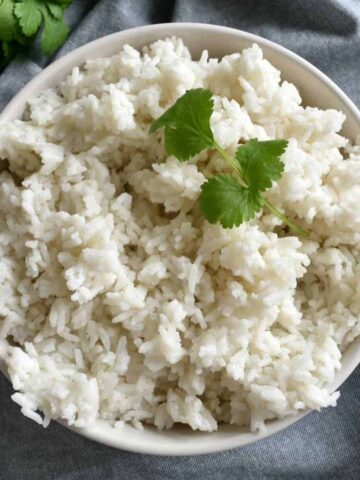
[[316, 90]]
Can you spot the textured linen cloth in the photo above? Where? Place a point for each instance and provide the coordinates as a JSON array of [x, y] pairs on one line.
[[323, 445]]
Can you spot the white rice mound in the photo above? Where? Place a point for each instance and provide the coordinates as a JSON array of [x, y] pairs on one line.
[[121, 302]]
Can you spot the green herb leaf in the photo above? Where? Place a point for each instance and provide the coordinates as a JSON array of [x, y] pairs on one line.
[[187, 124], [20, 21], [56, 10], [28, 12], [8, 22], [64, 3], [224, 200], [54, 35], [260, 163]]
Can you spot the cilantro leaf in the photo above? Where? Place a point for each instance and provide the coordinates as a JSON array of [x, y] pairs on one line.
[[31, 13], [54, 34], [56, 10], [20, 21], [260, 162], [28, 12], [187, 124], [64, 3], [8, 23], [224, 200]]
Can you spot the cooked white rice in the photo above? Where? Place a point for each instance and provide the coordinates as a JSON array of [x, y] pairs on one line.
[[120, 300]]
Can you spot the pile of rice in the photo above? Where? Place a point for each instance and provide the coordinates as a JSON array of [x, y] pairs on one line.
[[121, 302]]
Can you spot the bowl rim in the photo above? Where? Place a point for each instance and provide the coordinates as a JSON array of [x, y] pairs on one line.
[[100, 432]]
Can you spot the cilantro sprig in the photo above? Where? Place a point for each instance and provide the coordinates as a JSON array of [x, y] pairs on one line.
[[230, 199], [21, 20]]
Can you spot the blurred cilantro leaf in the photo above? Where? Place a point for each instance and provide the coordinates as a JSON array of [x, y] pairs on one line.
[[22, 20]]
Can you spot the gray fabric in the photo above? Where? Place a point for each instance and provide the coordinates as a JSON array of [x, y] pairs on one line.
[[321, 446]]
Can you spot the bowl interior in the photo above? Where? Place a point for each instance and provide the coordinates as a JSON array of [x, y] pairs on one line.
[[316, 90]]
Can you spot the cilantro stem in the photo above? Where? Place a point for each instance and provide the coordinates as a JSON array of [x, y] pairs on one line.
[[231, 161], [234, 164], [295, 228]]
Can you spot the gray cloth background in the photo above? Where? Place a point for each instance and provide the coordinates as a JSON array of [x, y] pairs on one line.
[[323, 445]]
